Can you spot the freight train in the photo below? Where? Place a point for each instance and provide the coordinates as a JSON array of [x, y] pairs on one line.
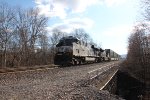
[[71, 51]]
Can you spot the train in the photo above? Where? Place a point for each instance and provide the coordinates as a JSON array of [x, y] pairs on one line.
[[72, 51]]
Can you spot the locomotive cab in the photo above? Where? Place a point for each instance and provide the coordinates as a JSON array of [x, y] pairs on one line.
[[67, 41], [64, 50]]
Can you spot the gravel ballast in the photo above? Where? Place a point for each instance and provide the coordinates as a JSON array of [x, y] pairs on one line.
[[53, 84]]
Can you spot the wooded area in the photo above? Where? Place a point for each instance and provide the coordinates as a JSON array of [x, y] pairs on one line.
[[138, 57], [24, 39], [137, 62]]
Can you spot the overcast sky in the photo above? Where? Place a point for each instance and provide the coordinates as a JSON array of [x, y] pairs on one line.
[[108, 22]]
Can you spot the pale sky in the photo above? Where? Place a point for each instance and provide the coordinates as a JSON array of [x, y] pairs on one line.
[[108, 22]]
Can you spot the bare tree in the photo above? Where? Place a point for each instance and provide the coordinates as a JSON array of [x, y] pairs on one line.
[[56, 36], [6, 30], [19, 33], [82, 35], [43, 50], [135, 49], [79, 33], [22, 31], [30, 25], [138, 57], [146, 6], [146, 50]]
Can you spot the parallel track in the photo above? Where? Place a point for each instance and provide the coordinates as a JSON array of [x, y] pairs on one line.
[[34, 68], [23, 69]]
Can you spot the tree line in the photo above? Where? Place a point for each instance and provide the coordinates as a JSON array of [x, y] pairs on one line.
[[138, 57], [137, 62], [24, 40]]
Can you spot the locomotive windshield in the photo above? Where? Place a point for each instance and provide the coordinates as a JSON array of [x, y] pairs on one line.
[[66, 42]]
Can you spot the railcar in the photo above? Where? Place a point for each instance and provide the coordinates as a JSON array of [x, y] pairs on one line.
[[112, 55]]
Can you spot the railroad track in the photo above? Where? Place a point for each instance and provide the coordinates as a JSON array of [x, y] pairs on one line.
[[34, 68], [100, 70], [96, 72], [23, 69]]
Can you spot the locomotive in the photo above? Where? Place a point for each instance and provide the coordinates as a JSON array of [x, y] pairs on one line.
[[71, 51]]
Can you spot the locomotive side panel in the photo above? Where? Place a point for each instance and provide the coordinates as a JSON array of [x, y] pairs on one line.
[[79, 50], [84, 52]]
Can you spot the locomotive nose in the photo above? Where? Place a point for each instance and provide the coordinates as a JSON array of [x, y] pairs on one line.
[[65, 49]]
